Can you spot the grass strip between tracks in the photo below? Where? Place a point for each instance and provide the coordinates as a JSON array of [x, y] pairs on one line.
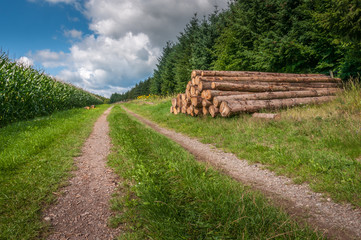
[[167, 194], [35, 159]]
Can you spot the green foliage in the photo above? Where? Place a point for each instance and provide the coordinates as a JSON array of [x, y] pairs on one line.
[[320, 145], [169, 195], [35, 158], [297, 36], [26, 93]]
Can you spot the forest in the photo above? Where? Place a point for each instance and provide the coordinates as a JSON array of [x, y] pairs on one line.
[[288, 36]]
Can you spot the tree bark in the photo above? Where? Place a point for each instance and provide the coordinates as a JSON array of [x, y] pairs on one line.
[[225, 86], [204, 86], [234, 107], [210, 94], [252, 73], [275, 95]]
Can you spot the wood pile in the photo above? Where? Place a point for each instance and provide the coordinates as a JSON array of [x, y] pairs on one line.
[[227, 93]]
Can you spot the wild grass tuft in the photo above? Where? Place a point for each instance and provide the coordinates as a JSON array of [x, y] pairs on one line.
[[169, 195]]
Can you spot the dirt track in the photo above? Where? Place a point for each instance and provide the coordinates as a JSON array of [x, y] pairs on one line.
[[337, 221], [83, 211]]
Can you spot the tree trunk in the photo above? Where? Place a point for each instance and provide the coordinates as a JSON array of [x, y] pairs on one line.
[[205, 111], [233, 107], [204, 86], [213, 111], [210, 94], [274, 95], [206, 103], [251, 73], [196, 101], [225, 86]]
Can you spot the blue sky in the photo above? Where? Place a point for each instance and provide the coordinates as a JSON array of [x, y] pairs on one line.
[[104, 46]]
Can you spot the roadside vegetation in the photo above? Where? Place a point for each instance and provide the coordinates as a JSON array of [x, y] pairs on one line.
[[167, 194], [35, 159], [26, 93], [319, 145]]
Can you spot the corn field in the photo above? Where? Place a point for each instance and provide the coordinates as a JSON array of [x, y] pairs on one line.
[[26, 93]]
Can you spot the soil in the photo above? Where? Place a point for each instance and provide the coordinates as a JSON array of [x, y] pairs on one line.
[[82, 212], [336, 221]]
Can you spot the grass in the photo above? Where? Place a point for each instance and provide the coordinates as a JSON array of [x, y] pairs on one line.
[[35, 159], [319, 145], [167, 194]]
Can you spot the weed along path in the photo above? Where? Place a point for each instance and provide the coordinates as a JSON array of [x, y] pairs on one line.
[[82, 212], [337, 221]]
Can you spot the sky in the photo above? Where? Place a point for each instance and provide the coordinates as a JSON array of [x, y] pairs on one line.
[[103, 46]]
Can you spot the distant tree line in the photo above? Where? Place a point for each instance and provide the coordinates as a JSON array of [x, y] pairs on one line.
[[297, 36]]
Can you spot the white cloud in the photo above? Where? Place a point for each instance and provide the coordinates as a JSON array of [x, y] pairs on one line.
[[128, 36], [25, 61], [73, 33]]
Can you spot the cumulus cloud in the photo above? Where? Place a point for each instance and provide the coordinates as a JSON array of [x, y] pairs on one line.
[[73, 33], [25, 61], [127, 38]]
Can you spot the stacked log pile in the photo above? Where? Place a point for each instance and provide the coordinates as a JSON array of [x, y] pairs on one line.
[[227, 93]]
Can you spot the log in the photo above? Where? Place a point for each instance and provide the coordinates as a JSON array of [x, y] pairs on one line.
[[194, 91], [184, 109], [197, 80], [174, 102], [274, 95], [179, 101], [213, 111], [196, 101], [171, 109], [196, 73], [253, 73], [273, 116], [189, 85], [186, 102], [209, 94], [197, 111], [188, 94], [183, 96], [204, 86], [229, 108], [190, 110], [205, 111], [226, 86], [206, 103]]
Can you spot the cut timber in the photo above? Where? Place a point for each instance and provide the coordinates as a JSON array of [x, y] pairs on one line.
[[272, 116], [196, 73], [205, 111], [186, 102], [213, 111], [233, 107], [210, 94], [204, 86], [274, 95], [189, 85], [190, 110], [188, 94], [174, 102], [194, 91], [226, 86], [171, 109], [251, 73], [196, 101], [197, 111], [206, 103]]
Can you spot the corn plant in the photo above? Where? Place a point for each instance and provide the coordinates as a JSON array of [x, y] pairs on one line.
[[26, 93]]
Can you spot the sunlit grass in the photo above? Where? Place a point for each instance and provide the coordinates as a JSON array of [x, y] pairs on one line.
[[319, 144], [35, 158]]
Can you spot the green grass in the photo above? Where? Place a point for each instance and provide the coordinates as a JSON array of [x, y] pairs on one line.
[[167, 194], [35, 159], [320, 145]]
